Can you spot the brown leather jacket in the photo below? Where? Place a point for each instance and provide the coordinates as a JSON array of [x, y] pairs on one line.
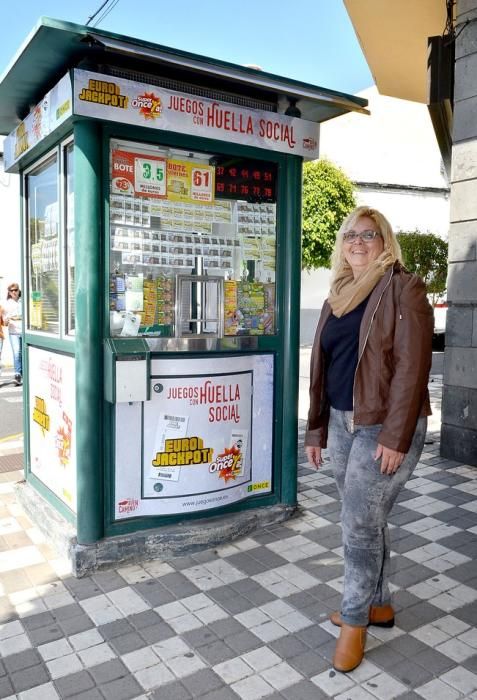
[[394, 361]]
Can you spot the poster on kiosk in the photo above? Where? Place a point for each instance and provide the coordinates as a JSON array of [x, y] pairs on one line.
[[207, 437]]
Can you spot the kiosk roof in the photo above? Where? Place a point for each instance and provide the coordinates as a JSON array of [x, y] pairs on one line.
[[55, 46]]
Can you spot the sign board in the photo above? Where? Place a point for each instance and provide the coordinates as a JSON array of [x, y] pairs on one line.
[[129, 102], [53, 110], [52, 422], [203, 441]]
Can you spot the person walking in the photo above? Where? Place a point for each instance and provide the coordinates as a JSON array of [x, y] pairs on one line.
[[13, 320], [2, 335], [369, 404]]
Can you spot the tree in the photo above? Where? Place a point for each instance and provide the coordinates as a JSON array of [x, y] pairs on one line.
[[328, 196], [426, 255]]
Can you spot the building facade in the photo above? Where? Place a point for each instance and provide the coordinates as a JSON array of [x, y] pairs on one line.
[[10, 262], [459, 408], [404, 72], [393, 158]]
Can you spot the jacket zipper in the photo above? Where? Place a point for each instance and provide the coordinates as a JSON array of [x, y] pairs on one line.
[[364, 344]]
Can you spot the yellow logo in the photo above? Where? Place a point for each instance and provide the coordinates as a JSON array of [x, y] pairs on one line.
[[21, 143], [40, 416]]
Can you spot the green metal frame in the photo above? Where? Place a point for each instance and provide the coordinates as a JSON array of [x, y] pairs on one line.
[[94, 417], [284, 345], [57, 344], [64, 348], [88, 336]]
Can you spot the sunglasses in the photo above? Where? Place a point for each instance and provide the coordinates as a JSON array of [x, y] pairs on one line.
[[13, 289]]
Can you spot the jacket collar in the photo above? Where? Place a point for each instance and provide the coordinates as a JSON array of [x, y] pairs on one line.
[[371, 305], [374, 300]]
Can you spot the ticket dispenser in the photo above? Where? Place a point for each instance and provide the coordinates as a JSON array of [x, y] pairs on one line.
[[127, 365]]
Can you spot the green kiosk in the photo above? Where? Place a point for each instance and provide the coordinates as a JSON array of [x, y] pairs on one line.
[[161, 201]]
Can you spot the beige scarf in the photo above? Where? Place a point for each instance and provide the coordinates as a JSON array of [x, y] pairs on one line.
[[347, 291]]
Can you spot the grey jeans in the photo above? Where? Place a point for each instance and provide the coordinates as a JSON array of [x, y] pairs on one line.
[[367, 498]]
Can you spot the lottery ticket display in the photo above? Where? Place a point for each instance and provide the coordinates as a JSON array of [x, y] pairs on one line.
[[179, 215]]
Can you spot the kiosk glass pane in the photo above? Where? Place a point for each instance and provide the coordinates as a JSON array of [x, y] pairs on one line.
[[70, 237], [43, 246], [193, 243]]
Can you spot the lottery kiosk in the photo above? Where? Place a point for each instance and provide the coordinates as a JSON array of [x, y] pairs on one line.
[[161, 200]]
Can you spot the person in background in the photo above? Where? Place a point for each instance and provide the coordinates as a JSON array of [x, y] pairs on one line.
[[369, 404], [2, 336], [13, 320]]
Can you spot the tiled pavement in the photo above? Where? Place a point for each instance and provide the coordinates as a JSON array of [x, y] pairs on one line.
[[249, 620]]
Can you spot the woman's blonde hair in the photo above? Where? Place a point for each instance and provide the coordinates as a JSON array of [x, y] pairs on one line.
[[338, 262]]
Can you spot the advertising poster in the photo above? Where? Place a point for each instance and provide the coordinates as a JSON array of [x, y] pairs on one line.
[[190, 182], [129, 102], [48, 114], [138, 175], [206, 437], [52, 422]]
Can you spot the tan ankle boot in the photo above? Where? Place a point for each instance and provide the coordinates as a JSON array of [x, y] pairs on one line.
[[349, 650], [379, 616]]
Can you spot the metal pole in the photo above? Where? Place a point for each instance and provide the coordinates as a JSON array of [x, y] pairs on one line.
[[89, 355], [291, 327]]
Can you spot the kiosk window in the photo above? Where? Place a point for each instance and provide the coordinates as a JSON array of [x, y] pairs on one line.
[[178, 221], [44, 247], [49, 195], [70, 238]]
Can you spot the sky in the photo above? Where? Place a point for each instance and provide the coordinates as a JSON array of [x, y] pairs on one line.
[[308, 40]]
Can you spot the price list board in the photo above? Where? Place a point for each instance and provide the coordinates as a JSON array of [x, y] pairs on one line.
[[150, 177], [138, 175]]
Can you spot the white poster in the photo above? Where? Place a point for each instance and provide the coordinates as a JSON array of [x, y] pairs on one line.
[[128, 102], [206, 437], [52, 422], [48, 114]]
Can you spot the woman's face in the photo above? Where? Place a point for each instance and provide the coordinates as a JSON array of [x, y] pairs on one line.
[[14, 291], [359, 253]]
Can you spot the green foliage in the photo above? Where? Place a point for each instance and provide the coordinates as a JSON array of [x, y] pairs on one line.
[[328, 196], [426, 255]]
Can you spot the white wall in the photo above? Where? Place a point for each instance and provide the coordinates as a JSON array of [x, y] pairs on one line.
[[395, 146], [407, 211], [10, 263]]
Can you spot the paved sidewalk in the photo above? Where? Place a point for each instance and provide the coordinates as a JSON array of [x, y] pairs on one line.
[[249, 620]]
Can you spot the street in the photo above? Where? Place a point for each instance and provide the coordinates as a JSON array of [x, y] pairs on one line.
[[11, 405]]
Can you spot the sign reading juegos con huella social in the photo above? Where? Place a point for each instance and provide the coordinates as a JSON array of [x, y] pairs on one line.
[[139, 104]]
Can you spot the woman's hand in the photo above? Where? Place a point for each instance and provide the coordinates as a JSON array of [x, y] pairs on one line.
[[314, 456], [391, 460]]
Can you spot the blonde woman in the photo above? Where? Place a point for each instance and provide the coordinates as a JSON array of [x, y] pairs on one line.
[[368, 405]]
